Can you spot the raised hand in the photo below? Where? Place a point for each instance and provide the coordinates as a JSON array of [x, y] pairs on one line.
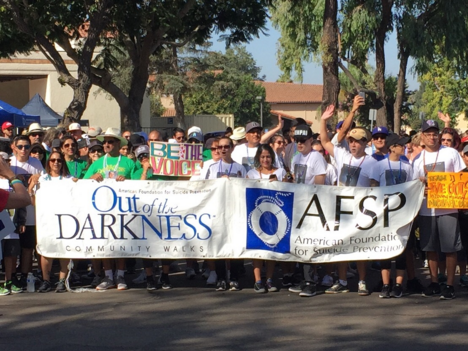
[[328, 112]]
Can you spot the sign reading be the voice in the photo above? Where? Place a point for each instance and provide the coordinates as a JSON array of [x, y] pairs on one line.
[[175, 160]]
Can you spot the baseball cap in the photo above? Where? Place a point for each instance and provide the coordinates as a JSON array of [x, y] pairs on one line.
[[379, 130], [360, 133], [252, 125], [464, 140], [74, 126], [298, 122], [302, 132], [429, 124], [55, 144], [94, 131], [395, 139], [196, 135], [142, 149], [137, 140], [7, 125], [194, 129], [465, 149], [340, 124], [94, 143]]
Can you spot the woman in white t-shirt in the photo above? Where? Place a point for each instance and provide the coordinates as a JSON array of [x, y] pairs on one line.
[[278, 144], [264, 169], [56, 170]]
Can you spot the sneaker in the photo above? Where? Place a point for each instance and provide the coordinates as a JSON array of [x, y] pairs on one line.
[[309, 290], [23, 282], [337, 288], [165, 282], [121, 285], [45, 287], [96, 281], [212, 278], [442, 279], [426, 264], [327, 281], [464, 281], [432, 290], [61, 286], [414, 286], [141, 278], [221, 285], [13, 287], [259, 288], [4, 291], [74, 278], [190, 273], [448, 293], [270, 286], [106, 283], [362, 289], [234, 286], [287, 280], [385, 293], [397, 291], [297, 288], [150, 285]]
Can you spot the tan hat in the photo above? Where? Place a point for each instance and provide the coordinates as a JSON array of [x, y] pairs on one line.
[[74, 126], [93, 132], [114, 133], [35, 128], [360, 133], [238, 133]]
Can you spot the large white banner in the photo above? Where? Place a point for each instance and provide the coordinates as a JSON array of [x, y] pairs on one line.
[[224, 218]]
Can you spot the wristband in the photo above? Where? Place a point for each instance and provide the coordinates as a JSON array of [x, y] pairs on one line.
[[15, 181]]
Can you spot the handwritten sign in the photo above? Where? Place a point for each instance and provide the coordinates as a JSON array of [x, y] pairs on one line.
[[447, 190], [176, 160]]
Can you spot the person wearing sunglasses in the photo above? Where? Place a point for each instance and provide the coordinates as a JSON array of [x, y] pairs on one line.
[[8, 129], [278, 144], [56, 170], [112, 166], [38, 151], [25, 167], [35, 133], [226, 167], [75, 165], [379, 135]]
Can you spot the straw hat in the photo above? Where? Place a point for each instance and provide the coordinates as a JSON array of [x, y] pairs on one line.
[[35, 128], [114, 133], [238, 133]]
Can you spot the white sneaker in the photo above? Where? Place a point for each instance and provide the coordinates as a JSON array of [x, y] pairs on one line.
[[190, 273], [206, 273], [426, 265], [327, 281], [121, 285], [141, 278], [212, 279]]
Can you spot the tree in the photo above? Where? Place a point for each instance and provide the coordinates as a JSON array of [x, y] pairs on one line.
[[43, 23], [142, 28], [225, 83]]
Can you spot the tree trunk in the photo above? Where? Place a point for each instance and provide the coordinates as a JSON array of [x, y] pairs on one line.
[[77, 106], [331, 83], [379, 78], [404, 55], [180, 113]]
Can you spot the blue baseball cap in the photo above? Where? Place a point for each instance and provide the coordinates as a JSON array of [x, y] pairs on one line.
[[379, 130]]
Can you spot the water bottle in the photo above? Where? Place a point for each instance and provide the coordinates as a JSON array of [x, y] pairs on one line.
[[31, 280]]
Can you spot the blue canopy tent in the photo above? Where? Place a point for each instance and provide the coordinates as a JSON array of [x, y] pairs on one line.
[[15, 116], [37, 106]]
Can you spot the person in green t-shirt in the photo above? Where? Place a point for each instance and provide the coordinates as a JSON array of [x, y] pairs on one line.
[[75, 165], [112, 166]]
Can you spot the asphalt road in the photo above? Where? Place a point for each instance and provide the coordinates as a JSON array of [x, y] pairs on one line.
[[195, 317]]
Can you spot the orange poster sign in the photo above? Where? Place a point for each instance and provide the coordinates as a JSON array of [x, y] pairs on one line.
[[447, 190]]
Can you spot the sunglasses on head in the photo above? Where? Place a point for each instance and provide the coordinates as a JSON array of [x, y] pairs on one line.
[[21, 147]]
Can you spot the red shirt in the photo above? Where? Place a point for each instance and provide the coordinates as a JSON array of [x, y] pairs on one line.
[[3, 199]]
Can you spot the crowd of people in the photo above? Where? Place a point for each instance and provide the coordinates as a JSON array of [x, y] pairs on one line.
[[350, 156]]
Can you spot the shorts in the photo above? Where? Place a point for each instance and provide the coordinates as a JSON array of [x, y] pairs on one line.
[[28, 238], [411, 244], [11, 247], [440, 233]]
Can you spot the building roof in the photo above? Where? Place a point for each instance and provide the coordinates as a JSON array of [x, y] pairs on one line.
[[285, 115], [292, 93]]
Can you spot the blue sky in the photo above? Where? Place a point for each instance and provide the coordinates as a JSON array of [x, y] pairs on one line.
[[263, 50]]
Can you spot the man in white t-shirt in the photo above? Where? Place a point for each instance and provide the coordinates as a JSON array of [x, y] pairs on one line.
[[24, 167], [438, 228], [354, 169]]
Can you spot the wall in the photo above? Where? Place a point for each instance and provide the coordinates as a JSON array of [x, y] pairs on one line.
[[207, 123], [306, 111], [15, 92]]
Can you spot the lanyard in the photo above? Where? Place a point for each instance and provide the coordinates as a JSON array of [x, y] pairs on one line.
[[424, 162], [220, 170], [350, 176], [76, 169], [104, 163], [391, 171]]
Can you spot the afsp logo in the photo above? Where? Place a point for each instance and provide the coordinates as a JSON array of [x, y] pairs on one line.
[[269, 219]]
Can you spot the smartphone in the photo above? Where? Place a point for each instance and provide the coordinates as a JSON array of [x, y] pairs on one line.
[[362, 94], [273, 176]]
